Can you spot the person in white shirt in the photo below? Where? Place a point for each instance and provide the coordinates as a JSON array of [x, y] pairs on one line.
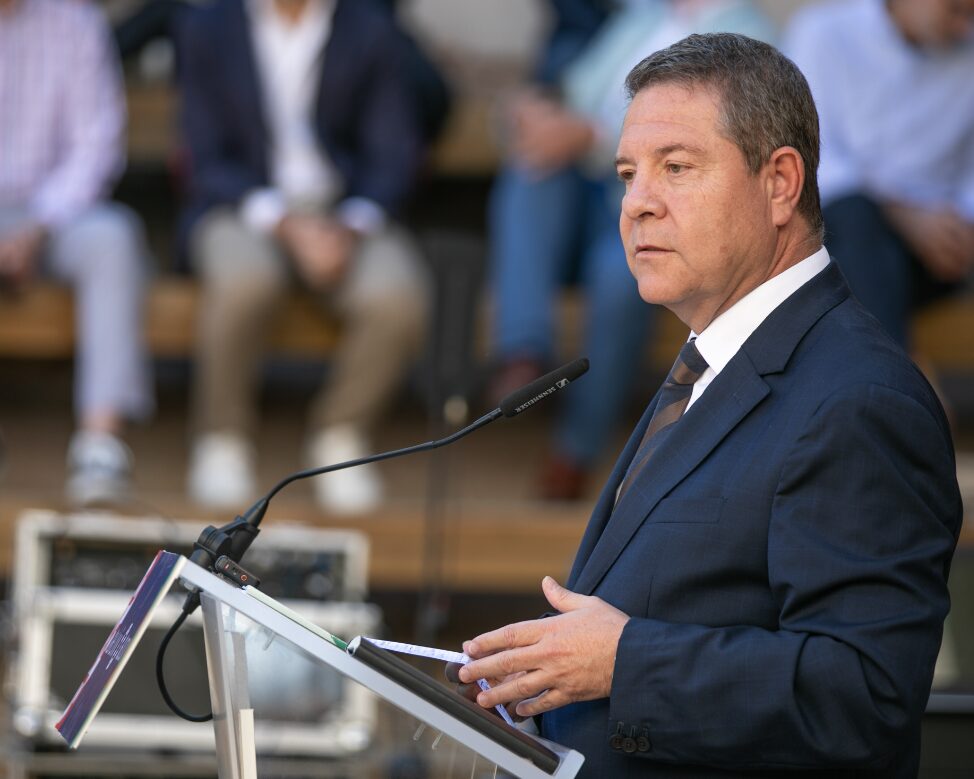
[[303, 139], [62, 147], [892, 81]]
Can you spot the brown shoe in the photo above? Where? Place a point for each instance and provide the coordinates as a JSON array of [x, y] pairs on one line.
[[562, 479]]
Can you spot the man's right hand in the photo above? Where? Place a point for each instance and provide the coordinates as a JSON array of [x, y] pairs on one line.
[[19, 255], [544, 135], [942, 240], [321, 247]]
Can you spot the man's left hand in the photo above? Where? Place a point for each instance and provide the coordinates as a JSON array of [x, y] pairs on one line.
[[548, 663]]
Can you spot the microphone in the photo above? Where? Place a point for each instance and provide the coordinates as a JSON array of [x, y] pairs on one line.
[[522, 399], [234, 539]]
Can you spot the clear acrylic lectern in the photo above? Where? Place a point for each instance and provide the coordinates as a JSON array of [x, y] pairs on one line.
[[255, 650]]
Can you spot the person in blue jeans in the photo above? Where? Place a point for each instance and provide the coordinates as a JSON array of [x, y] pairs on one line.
[[532, 230], [554, 218]]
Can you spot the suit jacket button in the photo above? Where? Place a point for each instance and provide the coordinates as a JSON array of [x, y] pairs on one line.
[[615, 741], [642, 744], [629, 745]]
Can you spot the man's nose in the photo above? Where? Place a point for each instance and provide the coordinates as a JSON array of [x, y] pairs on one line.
[[642, 199]]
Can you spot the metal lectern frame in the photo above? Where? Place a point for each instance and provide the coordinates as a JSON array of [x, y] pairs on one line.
[[232, 716]]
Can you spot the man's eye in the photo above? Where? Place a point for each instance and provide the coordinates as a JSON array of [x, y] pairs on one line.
[[625, 176], [675, 167]]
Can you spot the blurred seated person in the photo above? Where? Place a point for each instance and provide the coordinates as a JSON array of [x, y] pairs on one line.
[[893, 83], [61, 149], [554, 215], [150, 21], [303, 138]]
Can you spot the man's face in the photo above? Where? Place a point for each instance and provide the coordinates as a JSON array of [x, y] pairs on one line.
[[934, 23], [695, 223]]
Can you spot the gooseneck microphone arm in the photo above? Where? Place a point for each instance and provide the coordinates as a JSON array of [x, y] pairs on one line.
[[235, 538]]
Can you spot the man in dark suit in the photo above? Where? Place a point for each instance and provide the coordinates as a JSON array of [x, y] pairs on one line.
[[763, 583], [303, 137]]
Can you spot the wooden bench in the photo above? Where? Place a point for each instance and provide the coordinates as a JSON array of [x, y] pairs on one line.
[[39, 324]]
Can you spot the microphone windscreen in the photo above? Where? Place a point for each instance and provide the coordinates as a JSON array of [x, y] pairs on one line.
[[522, 399]]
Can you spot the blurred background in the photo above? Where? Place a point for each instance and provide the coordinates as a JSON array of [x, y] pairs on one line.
[[445, 544]]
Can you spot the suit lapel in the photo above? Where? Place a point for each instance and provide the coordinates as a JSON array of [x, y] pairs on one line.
[[341, 53], [730, 398], [242, 64], [606, 502], [736, 391]]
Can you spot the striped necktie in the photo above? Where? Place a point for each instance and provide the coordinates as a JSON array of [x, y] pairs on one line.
[[673, 399]]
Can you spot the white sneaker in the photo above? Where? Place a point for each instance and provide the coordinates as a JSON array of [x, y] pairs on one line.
[[222, 471], [355, 490], [99, 469]]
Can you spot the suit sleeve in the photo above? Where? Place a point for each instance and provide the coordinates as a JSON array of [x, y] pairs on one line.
[[863, 525], [214, 175]]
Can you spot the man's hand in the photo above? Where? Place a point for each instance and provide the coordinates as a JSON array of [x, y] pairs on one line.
[[941, 240], [322, 248], [545, 136], [546, 663], [470, 691], [19, 254]]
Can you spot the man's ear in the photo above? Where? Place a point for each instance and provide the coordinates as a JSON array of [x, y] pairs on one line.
[[786, 170]]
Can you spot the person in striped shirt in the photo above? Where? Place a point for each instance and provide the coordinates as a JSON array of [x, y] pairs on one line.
[[62, 123]]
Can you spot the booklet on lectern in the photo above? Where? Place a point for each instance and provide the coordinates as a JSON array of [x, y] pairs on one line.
[[121, 643]]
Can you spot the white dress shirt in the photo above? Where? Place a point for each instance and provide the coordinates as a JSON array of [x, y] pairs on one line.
[[288, 66], [724, 337]]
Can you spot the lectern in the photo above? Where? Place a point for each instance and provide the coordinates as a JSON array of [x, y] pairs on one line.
[[244, 628]]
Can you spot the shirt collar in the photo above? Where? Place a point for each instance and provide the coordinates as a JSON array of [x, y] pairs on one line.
[[262, 12], [724, 337]]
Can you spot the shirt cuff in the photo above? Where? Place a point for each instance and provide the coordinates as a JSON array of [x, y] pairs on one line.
[[263, 209], [53, 213], [361, 215]]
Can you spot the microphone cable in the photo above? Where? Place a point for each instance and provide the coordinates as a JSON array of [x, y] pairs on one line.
[[160, 676]]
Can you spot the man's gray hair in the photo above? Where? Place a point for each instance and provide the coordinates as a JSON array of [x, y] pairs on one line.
[[765, 102]]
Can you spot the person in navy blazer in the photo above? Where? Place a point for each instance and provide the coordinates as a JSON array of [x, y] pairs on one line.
[[766, 594], [368, 126], [304, 135]]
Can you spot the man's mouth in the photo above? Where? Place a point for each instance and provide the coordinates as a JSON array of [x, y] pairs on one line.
[[649, 248]]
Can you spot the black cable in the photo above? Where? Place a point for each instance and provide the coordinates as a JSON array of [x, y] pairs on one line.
[[161, 679]]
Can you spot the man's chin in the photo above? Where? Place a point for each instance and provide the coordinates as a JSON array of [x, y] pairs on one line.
[[654, 293]]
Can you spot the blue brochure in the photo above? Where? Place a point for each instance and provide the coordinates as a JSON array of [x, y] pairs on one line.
[[121, 643]]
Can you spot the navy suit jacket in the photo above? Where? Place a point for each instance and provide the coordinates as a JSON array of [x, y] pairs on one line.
[[365, 119], [784, 562]]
